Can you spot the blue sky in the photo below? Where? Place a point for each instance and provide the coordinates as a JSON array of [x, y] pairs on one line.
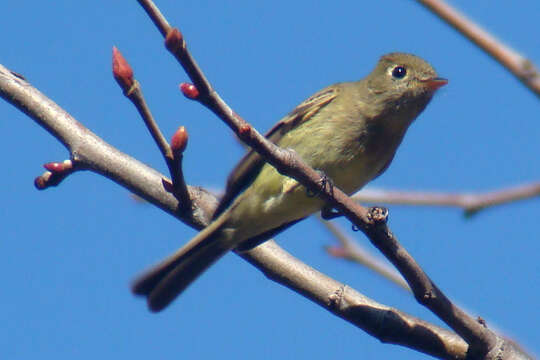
[[69, 253]]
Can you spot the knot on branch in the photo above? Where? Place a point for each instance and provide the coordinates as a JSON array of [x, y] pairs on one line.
[[174, 41], [335, 298], [378, 215]]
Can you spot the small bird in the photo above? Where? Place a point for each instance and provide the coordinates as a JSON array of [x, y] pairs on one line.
[[350, 131]]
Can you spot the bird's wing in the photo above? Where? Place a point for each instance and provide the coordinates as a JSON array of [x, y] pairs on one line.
[[249, 166]]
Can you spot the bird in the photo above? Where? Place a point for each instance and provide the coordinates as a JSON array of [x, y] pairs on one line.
[[349, 131]]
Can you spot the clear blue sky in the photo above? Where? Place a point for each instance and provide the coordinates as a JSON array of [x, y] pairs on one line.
[[69, 253]]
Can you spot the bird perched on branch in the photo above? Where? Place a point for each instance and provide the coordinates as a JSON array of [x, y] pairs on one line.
[[350, 131]]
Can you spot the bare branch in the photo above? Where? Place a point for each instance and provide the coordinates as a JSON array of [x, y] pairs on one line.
[[481, 341], [132, 90], [90, 152], [156, 16], [178, 145], [514, 62], [123, 74], [386, 324], [350, 250], [471, 203]]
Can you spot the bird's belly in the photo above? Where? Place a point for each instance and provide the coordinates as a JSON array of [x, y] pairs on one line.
[[274, 200]]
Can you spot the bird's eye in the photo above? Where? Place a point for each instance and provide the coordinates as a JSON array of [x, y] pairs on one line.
[[399, 72]]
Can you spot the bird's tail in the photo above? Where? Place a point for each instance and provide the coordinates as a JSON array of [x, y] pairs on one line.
[[164, 282]]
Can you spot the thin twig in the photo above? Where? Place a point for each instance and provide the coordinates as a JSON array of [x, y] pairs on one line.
[[352, 251], [471, 203], [518, 65], [178, 145], [90, 152], [131, 88], [384, 323], [156, 16], [481, 340], [136, 96]]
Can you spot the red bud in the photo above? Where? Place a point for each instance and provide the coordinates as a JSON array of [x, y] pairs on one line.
[[40, 182], [121, 70], [174, 40], [189, 91], [245, 129], [179, 140], [54, 167], [58, 167]]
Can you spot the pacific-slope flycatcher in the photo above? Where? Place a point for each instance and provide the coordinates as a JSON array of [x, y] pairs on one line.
[[349, 131]]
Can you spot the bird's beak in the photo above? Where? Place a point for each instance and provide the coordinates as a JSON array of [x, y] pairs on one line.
[[435, 83]]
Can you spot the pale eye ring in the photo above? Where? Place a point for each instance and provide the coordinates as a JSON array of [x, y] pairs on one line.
[[399, 72]]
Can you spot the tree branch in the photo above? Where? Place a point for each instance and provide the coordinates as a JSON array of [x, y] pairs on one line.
[[521, 67], [172, 154], [350, 250], [89, 152], [471, 203]]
